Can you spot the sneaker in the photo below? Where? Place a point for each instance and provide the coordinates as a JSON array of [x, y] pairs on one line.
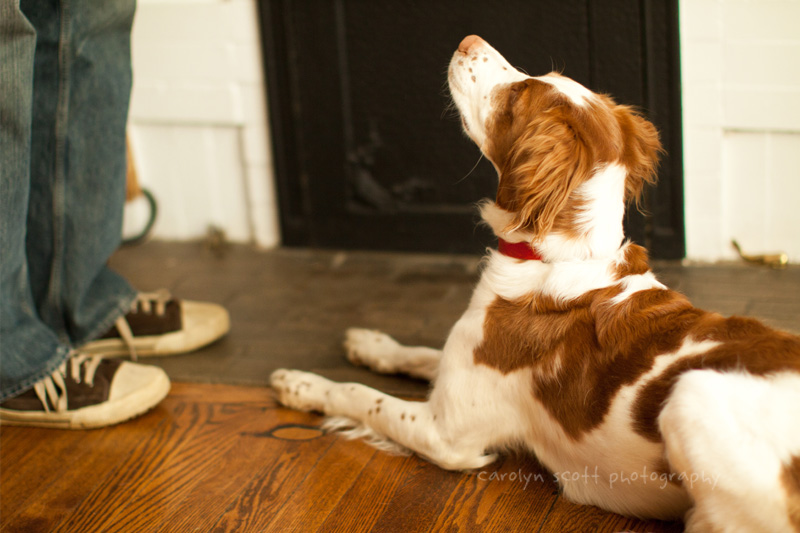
[[158, 324], [88, 392]]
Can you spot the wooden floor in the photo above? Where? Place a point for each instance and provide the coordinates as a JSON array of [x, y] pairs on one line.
[[229, 458], [220, 455]]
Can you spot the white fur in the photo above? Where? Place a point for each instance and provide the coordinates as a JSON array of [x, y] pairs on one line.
[[723, 426], [603, 209], [498, 219], [745, 432], [599, 223], [638, 282], [474, 78], [577, 93], [383, 354], [511, 279]]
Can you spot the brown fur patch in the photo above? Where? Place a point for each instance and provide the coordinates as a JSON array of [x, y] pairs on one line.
[[635, 262], [640, 153], [583, 351], [544, 157], [545, 147], [747, 345], [791, 482]]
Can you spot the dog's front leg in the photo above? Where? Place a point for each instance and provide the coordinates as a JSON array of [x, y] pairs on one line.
[[411, 425]]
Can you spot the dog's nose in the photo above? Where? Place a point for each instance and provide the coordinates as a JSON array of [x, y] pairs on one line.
[[468, 42]]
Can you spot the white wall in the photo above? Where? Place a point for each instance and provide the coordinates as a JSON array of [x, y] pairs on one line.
[[198, 120], [741, 123]]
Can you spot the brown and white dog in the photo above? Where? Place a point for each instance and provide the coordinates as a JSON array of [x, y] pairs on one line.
[[570, 347]]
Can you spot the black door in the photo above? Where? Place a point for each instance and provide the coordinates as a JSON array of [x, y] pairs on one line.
[[368, 153]]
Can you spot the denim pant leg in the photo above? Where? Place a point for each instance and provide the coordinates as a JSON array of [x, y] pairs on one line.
[[29, 350], [82, 82], [76, 187]]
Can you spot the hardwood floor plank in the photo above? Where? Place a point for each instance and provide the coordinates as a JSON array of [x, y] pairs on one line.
[[197, 459], [225, 498], [218, 488], [223, 458], [119, 489], [219, 393], [513, 495], [261, 498], [102, 450], [371, 493], [573, 518], [29, 460], [72, 465], [323, 487], [412, 510]]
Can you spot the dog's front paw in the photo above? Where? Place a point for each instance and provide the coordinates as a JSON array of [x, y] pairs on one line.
[[372, 349], [301, 390]]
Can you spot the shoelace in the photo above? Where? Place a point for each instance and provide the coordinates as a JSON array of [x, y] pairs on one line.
[[146, 302], [152, 302], [52, 390]]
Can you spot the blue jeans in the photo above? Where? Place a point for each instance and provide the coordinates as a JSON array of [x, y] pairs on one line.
[[65, 78]]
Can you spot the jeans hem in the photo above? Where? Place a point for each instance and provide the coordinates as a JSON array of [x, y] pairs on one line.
[[63, 351], [62, 354], [121, 308]]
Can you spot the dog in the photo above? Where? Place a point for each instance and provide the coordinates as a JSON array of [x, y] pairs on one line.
[[570, 347]]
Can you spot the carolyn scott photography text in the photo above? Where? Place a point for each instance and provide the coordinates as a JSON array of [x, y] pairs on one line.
[[613, 479]]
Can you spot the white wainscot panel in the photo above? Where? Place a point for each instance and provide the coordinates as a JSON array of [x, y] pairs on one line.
[[197, 177]]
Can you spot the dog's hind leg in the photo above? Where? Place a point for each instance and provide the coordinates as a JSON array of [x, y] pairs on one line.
[[731, 437], [383, 354]]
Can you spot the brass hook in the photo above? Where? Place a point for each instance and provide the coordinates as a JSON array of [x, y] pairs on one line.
[[779, 260]]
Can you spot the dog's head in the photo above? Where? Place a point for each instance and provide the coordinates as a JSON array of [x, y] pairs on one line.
[[548, 137]]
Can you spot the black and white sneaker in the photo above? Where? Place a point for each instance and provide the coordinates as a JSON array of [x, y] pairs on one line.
[[159, 324], [88, 392]]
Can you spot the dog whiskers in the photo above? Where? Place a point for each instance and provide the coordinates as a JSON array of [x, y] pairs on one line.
[[471, 170]]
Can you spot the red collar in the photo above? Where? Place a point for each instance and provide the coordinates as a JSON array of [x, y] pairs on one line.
[[518, 250]]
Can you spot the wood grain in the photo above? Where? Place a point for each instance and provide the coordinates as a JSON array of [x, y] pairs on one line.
[[229, 458]]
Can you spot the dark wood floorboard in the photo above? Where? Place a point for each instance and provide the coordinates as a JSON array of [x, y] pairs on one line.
[[289, 308], [229, 458]]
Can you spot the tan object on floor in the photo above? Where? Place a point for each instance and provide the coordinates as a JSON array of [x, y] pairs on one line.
[[777, 260]]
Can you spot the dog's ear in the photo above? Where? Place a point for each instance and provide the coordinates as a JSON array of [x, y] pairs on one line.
[[544, 167], [641, 150]]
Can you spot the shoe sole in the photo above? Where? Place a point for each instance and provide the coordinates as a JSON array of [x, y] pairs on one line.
[[95, 416]]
